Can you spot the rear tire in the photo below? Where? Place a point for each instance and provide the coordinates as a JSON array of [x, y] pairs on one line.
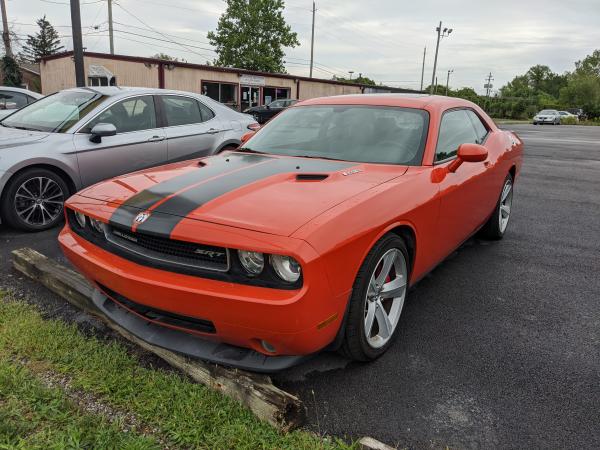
[[369, 307], [33, 200], [497, 224]]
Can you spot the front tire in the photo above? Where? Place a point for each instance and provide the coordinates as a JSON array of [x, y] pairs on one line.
[[497, 224], [377, 300], [33, 200]]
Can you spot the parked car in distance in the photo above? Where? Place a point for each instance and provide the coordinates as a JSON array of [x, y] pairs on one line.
[[568, 115], [77, 137], [306, 237], [267, 112], [12, 99], [550, 116], [581, 115]]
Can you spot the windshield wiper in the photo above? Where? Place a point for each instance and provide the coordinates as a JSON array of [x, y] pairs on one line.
[[246, 150], [317, 157], [26, 128]]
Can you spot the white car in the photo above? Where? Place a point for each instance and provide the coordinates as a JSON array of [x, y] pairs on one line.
[[567, 114], [12, 99], [551, 116]]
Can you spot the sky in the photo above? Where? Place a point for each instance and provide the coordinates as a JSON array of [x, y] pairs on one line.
[[382, 39]]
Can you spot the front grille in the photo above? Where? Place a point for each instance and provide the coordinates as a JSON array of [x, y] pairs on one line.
[[170, 251], [160, 316]]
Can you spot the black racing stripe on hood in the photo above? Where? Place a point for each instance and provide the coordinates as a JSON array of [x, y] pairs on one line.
[[143, 200], [166, 216]]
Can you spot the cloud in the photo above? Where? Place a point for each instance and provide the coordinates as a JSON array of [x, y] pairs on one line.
[[382, 39]]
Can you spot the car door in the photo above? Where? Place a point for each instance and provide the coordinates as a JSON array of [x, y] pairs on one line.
[[192, 128], [466, 193], [138, 144]]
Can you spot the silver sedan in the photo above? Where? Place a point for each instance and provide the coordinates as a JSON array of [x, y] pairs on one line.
[[77, 137]]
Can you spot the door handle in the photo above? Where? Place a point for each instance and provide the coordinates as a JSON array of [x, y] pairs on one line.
[[212, 131], [156, 139]]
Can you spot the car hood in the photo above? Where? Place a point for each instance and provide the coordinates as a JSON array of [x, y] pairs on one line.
[[265, 193], [12, 137]]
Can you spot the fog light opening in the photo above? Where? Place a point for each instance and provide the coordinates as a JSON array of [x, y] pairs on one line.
[[267, 346]]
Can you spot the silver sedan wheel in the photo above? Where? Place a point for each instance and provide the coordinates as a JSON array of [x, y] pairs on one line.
[[505, 204], [385, 297], [39, 201]]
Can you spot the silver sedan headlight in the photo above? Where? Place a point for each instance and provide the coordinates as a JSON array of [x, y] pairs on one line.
[[286, 268]]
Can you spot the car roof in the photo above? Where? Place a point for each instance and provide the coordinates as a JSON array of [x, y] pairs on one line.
[[418, 101], [122, 91], [22, 91]]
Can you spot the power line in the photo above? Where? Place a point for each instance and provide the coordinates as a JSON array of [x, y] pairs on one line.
[[158, 32], [163, 40]]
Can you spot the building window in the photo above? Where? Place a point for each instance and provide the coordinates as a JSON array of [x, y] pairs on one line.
[[226, 93], [102, 81], [271, 94]]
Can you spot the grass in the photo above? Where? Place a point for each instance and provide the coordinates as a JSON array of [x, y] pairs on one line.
[[33, 416], [186, 414]]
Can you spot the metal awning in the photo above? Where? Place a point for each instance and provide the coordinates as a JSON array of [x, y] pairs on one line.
[[95, 70]]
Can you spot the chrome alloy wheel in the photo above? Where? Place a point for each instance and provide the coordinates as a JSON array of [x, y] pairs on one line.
[[39, 201], [385, 297], [505, 204]]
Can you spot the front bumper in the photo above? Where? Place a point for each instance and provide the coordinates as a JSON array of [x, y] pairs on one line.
[[295, 323]]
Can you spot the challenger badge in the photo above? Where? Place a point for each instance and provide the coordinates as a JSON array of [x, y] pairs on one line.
[[142, 217]]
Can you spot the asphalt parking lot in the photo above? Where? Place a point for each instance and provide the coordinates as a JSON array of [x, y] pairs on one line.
[[499, 347]]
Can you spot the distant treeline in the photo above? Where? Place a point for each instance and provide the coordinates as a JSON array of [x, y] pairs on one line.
[[540, 88]]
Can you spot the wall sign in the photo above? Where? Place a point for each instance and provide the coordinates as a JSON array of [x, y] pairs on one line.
[[252, 80]]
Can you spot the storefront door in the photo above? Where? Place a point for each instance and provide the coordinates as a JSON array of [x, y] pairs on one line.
[[249, 97]]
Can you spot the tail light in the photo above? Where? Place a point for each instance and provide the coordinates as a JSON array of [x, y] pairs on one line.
[[254, 126]]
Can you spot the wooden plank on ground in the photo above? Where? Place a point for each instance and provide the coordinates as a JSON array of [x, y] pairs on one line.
[[255, 391]]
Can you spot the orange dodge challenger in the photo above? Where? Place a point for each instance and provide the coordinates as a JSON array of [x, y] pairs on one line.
[[307, 237]]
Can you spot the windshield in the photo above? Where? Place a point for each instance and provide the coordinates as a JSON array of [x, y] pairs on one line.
[[371, 134], [548, 111], [55, 113]]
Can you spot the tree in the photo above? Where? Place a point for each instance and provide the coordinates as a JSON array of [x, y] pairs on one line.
[[166, 57], [44, 43], [251, 35], [358, 80], [11, 72]]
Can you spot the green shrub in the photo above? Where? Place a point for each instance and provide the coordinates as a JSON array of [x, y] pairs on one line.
[[569, 121]]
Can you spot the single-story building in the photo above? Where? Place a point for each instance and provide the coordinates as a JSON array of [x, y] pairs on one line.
[[237, 88]]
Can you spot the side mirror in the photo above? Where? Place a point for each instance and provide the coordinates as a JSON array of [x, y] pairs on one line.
[[468, 153], [101, 130], [247, 136]]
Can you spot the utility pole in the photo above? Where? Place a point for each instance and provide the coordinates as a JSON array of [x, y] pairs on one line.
[[440, 34], [5, 32], [423, 67], [312, 40], [488, 85], [448, 79], [77, 43], [110, 28]]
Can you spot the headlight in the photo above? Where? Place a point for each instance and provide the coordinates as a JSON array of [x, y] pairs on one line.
[[97, 225], [80, 217], [286, 267], [253, 262]]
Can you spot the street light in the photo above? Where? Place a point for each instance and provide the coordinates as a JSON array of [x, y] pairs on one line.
[[448, 79], [441, 33]]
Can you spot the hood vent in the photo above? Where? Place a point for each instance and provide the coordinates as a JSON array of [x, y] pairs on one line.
[[311, 176]]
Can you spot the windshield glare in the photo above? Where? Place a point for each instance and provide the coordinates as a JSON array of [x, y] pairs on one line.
[[55, 113], [548, 111], [371, 134]]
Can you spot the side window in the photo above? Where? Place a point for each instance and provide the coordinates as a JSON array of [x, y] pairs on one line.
[[456, 129], [206, 112], [480, 128], [181, 110], [134, 114], [12, 100]]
